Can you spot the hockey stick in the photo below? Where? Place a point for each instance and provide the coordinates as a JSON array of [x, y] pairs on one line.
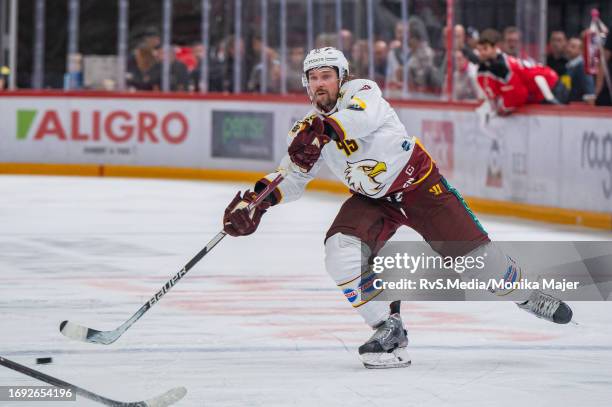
[[166, 399], [81, 333]]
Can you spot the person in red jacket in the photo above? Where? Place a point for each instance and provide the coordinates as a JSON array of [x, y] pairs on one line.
[[510, 82]]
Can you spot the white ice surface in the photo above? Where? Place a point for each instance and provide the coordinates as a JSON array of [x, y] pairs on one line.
[[258, 322]]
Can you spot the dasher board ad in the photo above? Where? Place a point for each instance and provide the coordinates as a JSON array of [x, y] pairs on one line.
[[86, 130]]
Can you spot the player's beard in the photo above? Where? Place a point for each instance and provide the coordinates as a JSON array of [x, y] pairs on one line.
[[325, 101]]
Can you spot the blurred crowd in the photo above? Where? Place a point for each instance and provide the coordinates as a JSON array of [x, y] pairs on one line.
[[423, 65], [413, 63]]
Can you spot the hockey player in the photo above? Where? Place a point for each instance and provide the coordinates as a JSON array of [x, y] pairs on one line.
[[394, 182], [510, 83]]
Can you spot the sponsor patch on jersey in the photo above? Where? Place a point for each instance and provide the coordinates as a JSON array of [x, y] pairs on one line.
[[356, 104], [350, 294], [366, 285], [366, 87]]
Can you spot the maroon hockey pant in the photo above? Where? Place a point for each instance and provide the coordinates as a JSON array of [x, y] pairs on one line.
[[434, 209]]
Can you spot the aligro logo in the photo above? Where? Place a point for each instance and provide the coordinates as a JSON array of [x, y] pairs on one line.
[[118, 126]]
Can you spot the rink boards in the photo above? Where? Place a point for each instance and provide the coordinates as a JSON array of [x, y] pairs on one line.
[[557, 160]]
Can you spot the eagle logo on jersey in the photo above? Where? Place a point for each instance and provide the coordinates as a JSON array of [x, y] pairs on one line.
[[361, 176]]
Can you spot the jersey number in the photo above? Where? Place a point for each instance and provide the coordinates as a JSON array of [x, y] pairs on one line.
[[348, 146]]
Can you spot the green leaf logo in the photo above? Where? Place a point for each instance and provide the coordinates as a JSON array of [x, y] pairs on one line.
[[25, 118]]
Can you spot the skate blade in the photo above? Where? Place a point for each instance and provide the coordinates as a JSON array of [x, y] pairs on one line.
[[398, 358]]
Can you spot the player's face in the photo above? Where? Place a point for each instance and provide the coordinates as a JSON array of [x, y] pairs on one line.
[[324, 87], [486, 52]]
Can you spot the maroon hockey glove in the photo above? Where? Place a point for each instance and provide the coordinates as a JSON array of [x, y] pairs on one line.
[[237, 221], [306, 147]]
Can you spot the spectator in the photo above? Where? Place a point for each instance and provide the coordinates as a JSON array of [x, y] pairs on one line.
[[359, 63], [472, 39], [257, 46], [215, 69], [198, 50], [465, 84], [511, 44], [273, 67], [272, 78], [575, 78], [395, 60], [140, 62], [399, 36], [422, 75], [187, 56], [294, 70], [380, 62], [604, 96], [460, 44], [275, 76], [509, 82], [346, 40], [179, 75], [228, 64], [556, 52]]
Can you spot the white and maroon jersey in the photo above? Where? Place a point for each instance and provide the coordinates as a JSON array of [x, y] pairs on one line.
[[374, 155]]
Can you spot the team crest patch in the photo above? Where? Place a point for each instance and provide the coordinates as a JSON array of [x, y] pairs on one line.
[[296, 127], [356, 104], [350, 294], [300, 125]]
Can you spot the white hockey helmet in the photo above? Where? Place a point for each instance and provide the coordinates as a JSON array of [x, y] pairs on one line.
[[322, 57]]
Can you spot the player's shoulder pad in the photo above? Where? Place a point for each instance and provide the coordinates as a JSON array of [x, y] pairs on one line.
[[302, 123], [361, 86], [359, 92]]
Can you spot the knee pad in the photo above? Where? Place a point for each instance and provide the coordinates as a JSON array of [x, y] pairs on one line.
[[346, 261]]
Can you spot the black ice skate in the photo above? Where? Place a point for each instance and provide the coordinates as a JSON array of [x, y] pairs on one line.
[[387, 347], [547, 307]]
